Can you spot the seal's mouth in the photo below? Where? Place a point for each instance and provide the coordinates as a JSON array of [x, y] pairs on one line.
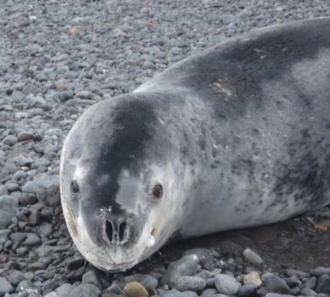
[[122, 266], [115, 258]]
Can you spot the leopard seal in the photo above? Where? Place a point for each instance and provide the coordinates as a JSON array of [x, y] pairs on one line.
[[233, 137]]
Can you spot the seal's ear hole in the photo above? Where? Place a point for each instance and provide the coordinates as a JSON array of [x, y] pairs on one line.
[[74, 187], [157, 191]]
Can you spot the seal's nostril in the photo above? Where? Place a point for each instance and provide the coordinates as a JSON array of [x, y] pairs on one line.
[[109, 230], [122, 231]]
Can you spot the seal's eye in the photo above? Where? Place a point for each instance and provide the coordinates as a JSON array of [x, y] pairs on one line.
[[157, 191], [74, 187]]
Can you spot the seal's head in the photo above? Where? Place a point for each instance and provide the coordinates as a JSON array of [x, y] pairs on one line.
[[113, 187]]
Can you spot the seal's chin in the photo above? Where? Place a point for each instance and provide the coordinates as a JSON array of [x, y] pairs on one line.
[[111, 257]]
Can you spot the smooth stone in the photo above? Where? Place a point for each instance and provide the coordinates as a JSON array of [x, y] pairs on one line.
[[186, 266], [115, 289], [22, 251], [42, 182], [85, 290], [28, 287], [134, 289], [16, 277], [209, 292], [174, 293], [323, 284], [5, 287], [8, 205], [310, 283], [204, 255], [190, 283], [149, 282], [23, 136], [247, 290], [226, 284], [27, 199], [299, 274], [52, 294], [65, 290], [277, 295], [205, 274], [3, 190], [5, 219], [32, 240], [4, 235], [92, 278], [36, 266], [275, 284], [320, 271], [10, 140], [34, 218], [307, 292], [252, 256]]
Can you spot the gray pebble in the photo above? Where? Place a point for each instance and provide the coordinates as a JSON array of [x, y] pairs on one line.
[[247, 290], [226, 284], [5, 287], [186, 266], [4, 235], [252, 256], [17, 237], [276, 285], [64, 290], [323, 284], [92, 278], [32, 240], [5, 219], [10, 140], [209, 292], [15, 278], [85, 290], [174, 293], [28, 287], [205, 256], [190, 283]]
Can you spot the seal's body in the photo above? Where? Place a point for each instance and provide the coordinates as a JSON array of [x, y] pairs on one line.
[[234, 137]]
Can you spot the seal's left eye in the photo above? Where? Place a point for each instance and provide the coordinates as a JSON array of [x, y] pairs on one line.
[[74, 187], [157, 191]]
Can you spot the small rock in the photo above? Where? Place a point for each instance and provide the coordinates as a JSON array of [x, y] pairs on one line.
[[10, 140], [85, 290], [24, 136], [276, 285], [190, 283], [174, 293], [5, 287], [64, 290], [28, 287], [133, 289], [323, 284], [247, 290], [32, 240], [252, 256], [92, 278], [186, 266], [204, 255], [252, 278], [5, 219], [226, 284], [320, 271], [16, 277]]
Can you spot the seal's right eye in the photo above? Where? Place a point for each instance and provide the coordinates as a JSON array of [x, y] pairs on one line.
[[74, 187]]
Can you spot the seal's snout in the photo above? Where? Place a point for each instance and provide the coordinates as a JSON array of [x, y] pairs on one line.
[[117, 233]]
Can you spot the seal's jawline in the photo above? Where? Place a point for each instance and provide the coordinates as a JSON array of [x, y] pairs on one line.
[[97, 255]]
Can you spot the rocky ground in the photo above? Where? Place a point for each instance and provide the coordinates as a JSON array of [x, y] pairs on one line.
[[59, 57]]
